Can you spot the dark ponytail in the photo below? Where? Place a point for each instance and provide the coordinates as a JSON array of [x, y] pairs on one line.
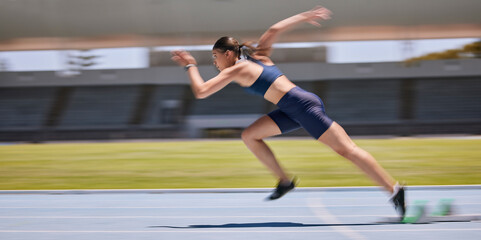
[[247, 49]]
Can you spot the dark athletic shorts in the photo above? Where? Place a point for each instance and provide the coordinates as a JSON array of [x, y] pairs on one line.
[[299, 108]]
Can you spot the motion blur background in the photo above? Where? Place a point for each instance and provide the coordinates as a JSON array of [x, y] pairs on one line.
[[101, 69]]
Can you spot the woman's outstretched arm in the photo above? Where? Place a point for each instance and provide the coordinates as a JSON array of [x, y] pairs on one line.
[[311, 16], [200, 88]]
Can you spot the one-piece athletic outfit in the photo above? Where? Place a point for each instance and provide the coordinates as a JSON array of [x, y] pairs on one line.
[[297, 108]]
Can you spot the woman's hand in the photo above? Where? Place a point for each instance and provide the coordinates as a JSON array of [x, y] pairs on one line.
[[316, 14], [183, 58]]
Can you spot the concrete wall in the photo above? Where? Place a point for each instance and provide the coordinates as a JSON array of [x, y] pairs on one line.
[[308, 71]]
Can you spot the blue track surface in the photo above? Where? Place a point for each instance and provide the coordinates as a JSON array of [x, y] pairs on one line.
[[324, 214]]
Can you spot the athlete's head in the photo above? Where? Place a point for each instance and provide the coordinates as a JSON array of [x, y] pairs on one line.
[[226, 52]]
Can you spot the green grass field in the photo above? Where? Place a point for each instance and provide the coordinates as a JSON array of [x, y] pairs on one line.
[[228, 164]]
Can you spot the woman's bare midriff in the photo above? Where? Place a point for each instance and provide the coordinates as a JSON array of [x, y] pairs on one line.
[[278, 89]]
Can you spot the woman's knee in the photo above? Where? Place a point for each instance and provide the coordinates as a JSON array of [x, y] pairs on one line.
[[262, 128], [346, 150], [248, 135]]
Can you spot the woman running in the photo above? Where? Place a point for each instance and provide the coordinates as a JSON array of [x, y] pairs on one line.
[[251, 68]]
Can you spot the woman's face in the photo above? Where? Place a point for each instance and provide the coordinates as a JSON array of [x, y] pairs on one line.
[[222, 60]]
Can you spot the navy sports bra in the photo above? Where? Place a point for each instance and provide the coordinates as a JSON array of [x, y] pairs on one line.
[[265, 80]]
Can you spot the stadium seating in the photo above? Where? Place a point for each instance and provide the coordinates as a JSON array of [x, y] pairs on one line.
[[365, 101], [448, 99], [25, 108], [165, 106], [100, 106], [159, 104]]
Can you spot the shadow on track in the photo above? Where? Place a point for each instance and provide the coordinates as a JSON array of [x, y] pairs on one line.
[[272, 224]]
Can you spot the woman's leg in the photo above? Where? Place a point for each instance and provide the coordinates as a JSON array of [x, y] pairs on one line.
[[336, 138], [253, 138]]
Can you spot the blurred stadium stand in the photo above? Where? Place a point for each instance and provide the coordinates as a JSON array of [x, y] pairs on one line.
[[432, 97], [25, 108], [100, 107]]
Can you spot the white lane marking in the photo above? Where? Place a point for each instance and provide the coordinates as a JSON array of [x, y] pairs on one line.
[[179, 217], [242, 231], [184, 207], [335, 202], [202, 217], [208, 207], [321, 211]]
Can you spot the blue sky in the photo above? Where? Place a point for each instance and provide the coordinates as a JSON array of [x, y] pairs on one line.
[[137, 57]]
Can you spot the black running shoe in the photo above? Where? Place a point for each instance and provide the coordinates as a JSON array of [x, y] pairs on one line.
[[281, 190], [398, 201]]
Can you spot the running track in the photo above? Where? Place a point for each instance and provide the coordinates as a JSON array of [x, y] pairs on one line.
[[307, 213]]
